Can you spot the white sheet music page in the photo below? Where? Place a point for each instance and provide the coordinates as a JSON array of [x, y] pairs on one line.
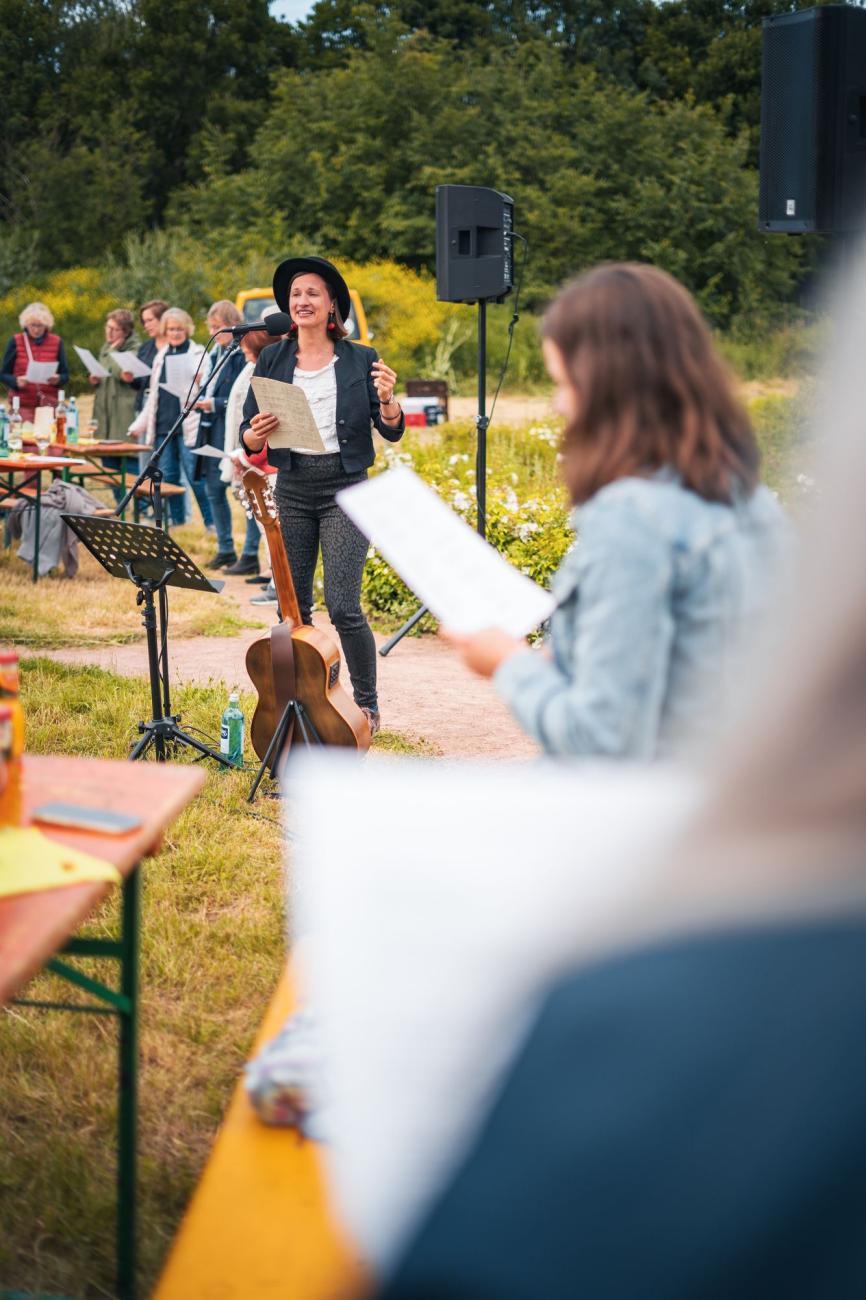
[[464, 582]]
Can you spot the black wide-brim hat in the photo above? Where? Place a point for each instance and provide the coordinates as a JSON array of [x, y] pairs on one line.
[[286, 272]]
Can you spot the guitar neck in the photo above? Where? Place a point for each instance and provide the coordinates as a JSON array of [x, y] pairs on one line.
[[259, 499], [282, 574]]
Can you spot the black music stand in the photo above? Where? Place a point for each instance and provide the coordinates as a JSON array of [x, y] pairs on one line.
[[151, 560]]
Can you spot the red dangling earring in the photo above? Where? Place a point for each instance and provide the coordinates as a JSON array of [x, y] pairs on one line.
[[332, 324], [293, 328]]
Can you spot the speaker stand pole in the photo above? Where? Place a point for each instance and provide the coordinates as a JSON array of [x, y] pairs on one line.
[[481, 421], [481, 424]]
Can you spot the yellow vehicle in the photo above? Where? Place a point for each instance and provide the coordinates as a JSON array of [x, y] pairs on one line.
[[252, 302]]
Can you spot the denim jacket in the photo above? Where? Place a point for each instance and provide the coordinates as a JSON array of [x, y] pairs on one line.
[[652, 603]]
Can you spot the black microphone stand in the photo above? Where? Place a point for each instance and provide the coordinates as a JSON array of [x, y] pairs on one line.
[[153, 471]]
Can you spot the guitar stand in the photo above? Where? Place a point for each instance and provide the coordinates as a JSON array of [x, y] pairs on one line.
[[293, 713]]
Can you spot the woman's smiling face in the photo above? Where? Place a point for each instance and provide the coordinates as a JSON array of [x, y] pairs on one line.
[[309, 301]]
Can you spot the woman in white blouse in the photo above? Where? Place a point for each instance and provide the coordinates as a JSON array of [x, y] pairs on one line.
[[349, 390]]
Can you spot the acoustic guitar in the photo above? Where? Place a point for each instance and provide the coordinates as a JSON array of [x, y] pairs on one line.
[[295, 660]]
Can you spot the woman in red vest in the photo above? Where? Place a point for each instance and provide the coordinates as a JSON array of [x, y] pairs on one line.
[[30, 351]]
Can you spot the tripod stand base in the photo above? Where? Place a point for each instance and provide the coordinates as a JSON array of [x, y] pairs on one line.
[[160, 731]]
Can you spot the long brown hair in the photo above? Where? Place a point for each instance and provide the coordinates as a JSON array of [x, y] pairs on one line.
[[652, 391]]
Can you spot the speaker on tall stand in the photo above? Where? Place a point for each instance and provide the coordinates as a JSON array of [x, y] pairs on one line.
[[474, 264]]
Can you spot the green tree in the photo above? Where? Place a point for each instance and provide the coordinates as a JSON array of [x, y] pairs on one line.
[[596, 171]]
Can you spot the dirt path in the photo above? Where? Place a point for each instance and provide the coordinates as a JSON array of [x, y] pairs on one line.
[[425, 693]]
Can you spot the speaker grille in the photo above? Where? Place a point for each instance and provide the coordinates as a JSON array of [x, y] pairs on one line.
[[789, 105]]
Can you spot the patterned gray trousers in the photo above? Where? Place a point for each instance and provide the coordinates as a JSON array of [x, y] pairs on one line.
[[310, 518]]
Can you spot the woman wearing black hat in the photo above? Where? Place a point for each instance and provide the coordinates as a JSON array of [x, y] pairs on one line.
[[349, 390]]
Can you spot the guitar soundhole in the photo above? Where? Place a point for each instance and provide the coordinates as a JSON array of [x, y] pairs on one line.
[[333, 675]]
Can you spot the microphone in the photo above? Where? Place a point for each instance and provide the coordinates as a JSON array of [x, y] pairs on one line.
[[277, 323]]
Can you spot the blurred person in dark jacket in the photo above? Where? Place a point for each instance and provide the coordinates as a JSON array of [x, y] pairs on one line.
[[686, 1117]]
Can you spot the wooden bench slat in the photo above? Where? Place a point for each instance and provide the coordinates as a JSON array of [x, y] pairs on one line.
[[259, 1223]]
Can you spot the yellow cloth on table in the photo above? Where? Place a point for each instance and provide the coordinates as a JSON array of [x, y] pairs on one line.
[[30, 860]]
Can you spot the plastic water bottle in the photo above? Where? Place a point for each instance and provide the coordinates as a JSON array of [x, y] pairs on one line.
[[15, 434], [232, 732], [72, 421]]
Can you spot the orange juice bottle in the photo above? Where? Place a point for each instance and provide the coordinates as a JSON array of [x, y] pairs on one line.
[[10, 695], [10, 772]]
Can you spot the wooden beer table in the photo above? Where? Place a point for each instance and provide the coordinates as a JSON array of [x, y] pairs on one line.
[[30, 487], [34, 927], [95, 452]]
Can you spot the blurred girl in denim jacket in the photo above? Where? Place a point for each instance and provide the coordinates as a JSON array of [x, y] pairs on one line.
[[678, 549]]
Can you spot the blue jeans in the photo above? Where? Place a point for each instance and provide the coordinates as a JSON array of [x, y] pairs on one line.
[[190, 463], [216, 495], [172, 471], [251, 540]]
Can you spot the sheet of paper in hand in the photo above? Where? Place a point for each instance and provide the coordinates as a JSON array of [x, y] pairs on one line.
[[459, 576], [297, 429], [216, 452], [129, 362], [93, 366], [179, 371], [39, 372]]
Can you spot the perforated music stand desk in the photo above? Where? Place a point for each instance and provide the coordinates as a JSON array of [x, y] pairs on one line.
[[152, 560]]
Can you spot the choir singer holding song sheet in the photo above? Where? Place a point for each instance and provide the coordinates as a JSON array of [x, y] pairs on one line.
[[349, 391], [679, 547]]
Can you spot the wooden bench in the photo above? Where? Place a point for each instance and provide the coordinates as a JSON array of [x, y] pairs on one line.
[[259, 1224], [29, 494]]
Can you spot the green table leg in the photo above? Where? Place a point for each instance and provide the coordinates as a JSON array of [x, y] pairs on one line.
[[127, 1137], [37, 505], [124, 1005], [123, 481]]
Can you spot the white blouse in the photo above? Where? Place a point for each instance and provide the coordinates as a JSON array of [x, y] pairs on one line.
[[320, 390]]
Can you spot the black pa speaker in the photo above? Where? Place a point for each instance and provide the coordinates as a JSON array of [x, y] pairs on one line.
[[474, 256], [813, 121]]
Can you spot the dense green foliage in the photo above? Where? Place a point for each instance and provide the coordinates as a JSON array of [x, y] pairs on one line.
[[622, 130]]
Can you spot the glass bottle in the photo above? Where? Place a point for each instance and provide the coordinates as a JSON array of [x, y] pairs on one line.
[[232, 732], [10, 773], [72, 421], [4, 428], [10, 695], [15, 436], [60, 417]]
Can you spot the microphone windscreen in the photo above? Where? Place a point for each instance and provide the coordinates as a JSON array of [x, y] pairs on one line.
[[278, 322]]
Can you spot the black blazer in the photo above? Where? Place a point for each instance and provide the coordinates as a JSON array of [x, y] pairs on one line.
[[357, 402], [212, 425]]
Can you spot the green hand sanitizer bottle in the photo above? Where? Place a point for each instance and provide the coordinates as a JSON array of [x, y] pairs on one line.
[[232, 732]]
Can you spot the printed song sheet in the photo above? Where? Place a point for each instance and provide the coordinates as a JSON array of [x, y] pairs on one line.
[[39, 372], [459, 576], [129, 362], [93, 366], [297, 429], [179, 371]]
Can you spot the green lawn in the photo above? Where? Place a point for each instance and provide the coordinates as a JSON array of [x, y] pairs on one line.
[[212, 945]]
